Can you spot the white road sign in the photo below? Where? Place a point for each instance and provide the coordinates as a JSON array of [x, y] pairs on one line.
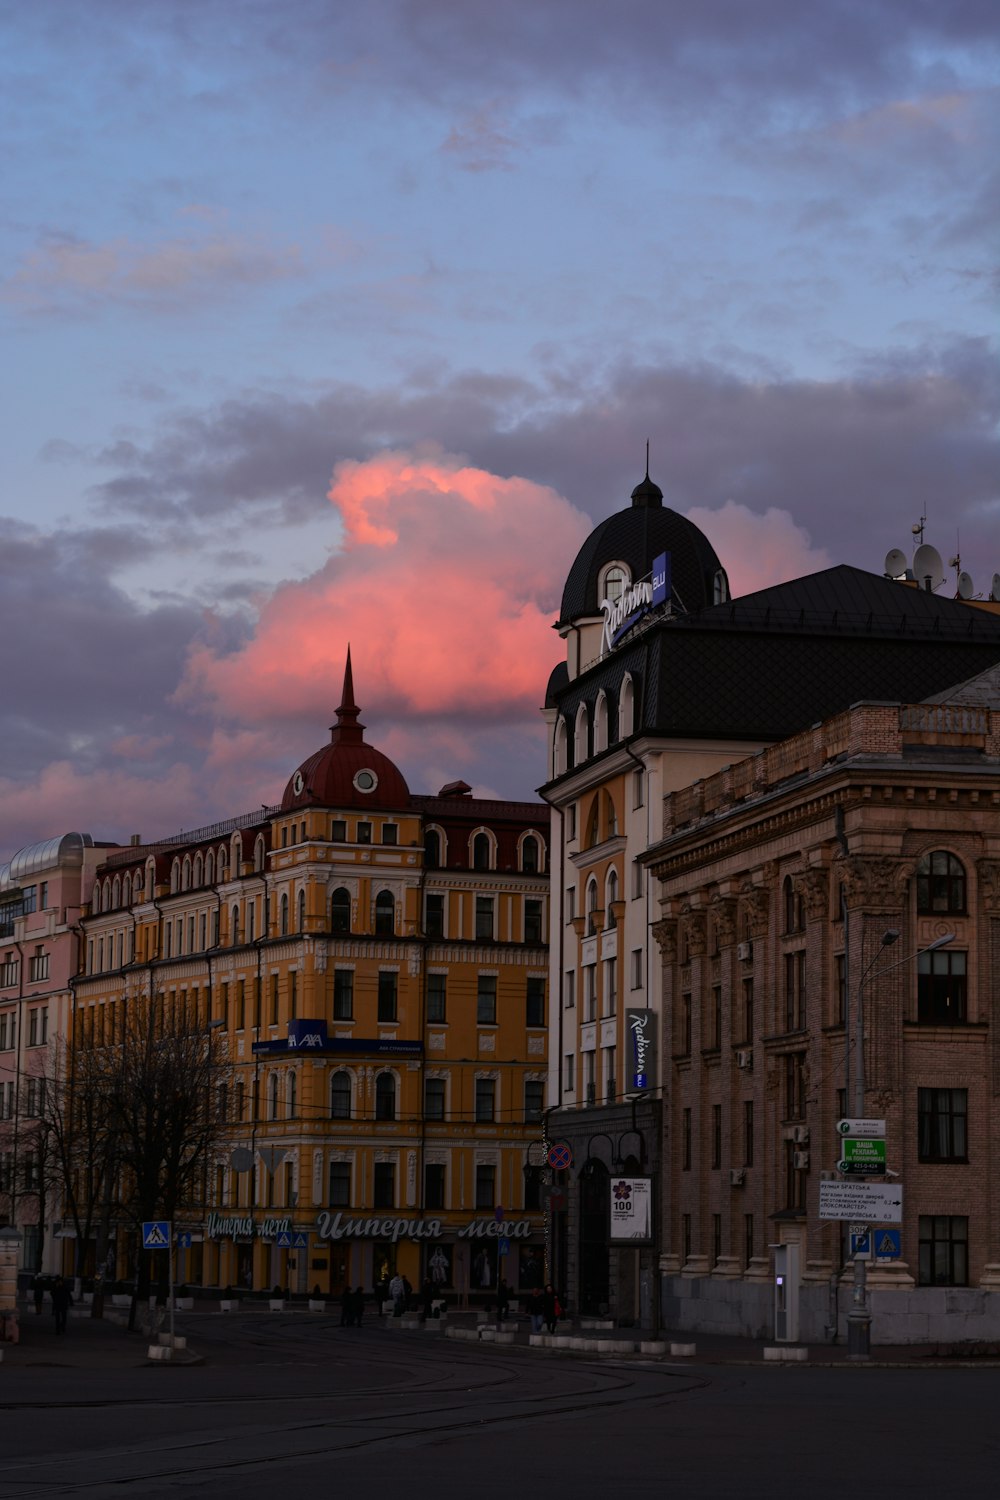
[[868, 1129], [873, 1202]]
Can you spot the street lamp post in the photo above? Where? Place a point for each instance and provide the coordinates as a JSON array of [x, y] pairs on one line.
[[859, 1319]]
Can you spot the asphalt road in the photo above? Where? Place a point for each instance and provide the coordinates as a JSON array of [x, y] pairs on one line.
[[285, 1407]]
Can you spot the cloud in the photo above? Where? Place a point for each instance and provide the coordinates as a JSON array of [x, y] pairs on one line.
[[447, 585], [761, 549], [67, 272], [483, 141]]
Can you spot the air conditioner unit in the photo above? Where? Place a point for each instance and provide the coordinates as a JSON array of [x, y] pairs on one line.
[[800, 1161], [737, 1176], [744, 1058], [800, 1135], [744, 952]]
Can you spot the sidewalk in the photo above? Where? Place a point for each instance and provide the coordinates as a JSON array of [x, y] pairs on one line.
[[88, 1344]]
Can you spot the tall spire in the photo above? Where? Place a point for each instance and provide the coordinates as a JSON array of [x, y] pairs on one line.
[[647, 493], [347, 730]]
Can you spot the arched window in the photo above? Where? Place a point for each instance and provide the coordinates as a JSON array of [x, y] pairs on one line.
[[223, 864], [236, 850], [941, 885], [614, 579], [234, 926], [340, 1096], [175, 877], [95, 900], [209, 868], [116, 892], [258, 854], [593, 834], [340, 912], [592, 906], [283, 917], [432, 849], [293, 1092], [385, 1097], [612, 734], [385, 914], [559, 748], [197, 872], [610, 896], [610, 816], [186, 873], [481, 852], [626, 708], [301, 914], [272, 1097], [530, 859], [137, 886], [150, 879], [581, 736], [601, 723]]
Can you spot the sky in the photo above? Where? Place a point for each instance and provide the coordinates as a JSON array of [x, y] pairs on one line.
[[327, 323]]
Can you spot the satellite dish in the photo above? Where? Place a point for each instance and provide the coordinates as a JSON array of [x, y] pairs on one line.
[[240, 1159], [895, 563], [995, 588], [966, 586], [927, 564]]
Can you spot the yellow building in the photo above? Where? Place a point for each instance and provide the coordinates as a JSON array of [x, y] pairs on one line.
[[377, 964]]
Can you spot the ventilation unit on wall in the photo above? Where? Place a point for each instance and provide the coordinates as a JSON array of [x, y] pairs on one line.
[[800, 1161], [800, 1135], [744, 952], [744, 1058], [737, 1176]]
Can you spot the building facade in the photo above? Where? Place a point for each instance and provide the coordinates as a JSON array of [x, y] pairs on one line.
[[375, 963], [44, 890], [665, 683], [796, 885]]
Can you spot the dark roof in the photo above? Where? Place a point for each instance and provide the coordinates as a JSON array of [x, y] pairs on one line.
[[773, 663], [636, 536]]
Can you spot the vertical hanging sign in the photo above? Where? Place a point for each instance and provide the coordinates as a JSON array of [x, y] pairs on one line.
[[640, 1026]]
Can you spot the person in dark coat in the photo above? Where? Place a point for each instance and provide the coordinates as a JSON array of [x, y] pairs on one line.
[[38, 1292], [426, 1299], [359, 1306], [550, 1307], [347, 1307], [61, 1300], [536, 1309], [503, 1299]]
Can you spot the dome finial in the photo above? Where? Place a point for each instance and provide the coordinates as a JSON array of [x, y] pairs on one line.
[[347, 729], [646, 493]]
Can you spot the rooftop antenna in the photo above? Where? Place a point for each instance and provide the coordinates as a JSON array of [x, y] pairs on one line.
[[918, 530]]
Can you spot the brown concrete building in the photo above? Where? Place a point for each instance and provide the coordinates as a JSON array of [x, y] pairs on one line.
[[779, 879]]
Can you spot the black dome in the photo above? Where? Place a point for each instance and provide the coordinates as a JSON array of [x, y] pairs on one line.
[[636, 536]]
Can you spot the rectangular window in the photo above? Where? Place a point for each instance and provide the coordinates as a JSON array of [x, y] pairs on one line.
[[338, 831], [685, 1037], [340, 1184], [637, 967], [6, 1018], [590, 993], [748, 1132], [38, 966], [484, 918], [570, 903], [534, 1101], [384, 1185], [274, 999], [43, 896], [944, 1250], [434, 1098], [570, 1072], [434, 915], [569, 989], [29, 900], [795, 1092], [795, 990], [686, 1140], [364, 835], [386, 996], [486, 1194], [942, 1124], [437, 998], [390, 833], [486, 1000], [636, 880], [534, 1001], [293, 994], [610, 1074], [941, 988], [343, 994], [485, 1100], [241, 1004], [571, 821], [610, 986], [532, 921], [638, 787], [795, 1179], [716, 1135], [434, 1185], [717, 1015], [748, 1010], [9, 971]]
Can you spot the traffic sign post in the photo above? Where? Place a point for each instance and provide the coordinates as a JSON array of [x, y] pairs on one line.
[[560, 1156], [157, 1234], [864, 1202], [870, 1129], [888, 1244]]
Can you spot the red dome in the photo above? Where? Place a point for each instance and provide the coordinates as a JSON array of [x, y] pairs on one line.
[[347, 772]]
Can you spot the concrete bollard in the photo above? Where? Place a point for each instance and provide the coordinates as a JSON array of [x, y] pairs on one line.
[[652, 1346], [682, 1351], [786, 1353]]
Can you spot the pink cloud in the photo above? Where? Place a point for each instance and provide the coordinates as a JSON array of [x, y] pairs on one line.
[[756, 549], [447, 586], [63, 798]]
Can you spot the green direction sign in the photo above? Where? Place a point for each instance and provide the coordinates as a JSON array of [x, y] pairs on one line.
[[862, 1156]]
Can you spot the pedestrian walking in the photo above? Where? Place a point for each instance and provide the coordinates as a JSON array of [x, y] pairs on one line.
[[551, 1310], [62, 1300], [536, 1309], [397, 1291], [359, 1306]]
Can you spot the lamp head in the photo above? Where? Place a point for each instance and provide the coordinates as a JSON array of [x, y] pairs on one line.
[[890, 936]]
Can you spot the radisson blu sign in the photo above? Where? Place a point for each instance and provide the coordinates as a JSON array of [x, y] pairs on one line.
[[621, 614]]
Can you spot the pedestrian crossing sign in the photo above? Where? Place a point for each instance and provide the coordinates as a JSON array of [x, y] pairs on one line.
[[887, 1244], [156, 1234]]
